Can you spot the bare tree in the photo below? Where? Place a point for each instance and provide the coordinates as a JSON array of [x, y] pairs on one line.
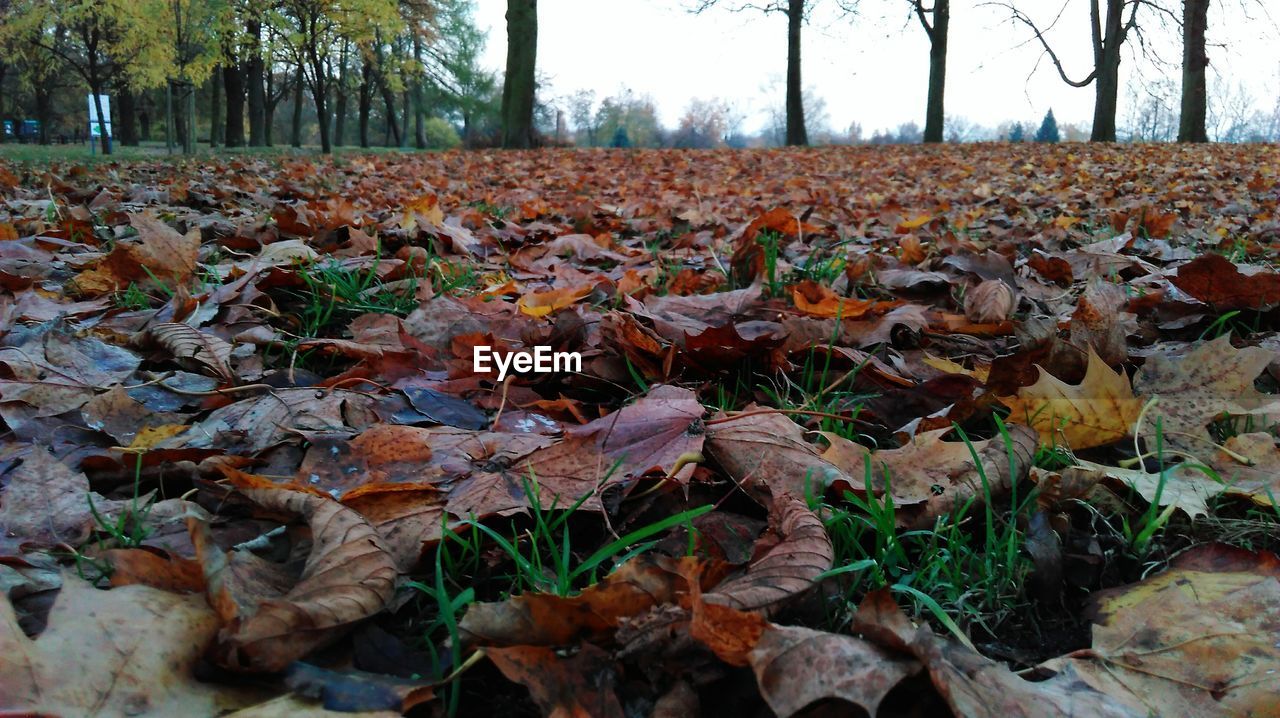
[[1111, 24], [796, 12], [1195, 60], [935, 20]]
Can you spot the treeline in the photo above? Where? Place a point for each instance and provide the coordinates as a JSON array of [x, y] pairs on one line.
[[406, 73], [398, 72]]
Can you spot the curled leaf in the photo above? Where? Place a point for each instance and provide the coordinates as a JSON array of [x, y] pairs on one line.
[[349, 576]]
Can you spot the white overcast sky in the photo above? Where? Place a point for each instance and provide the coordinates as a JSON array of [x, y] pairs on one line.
[[871, 68]]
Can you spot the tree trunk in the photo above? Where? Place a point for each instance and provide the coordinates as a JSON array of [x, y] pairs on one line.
[[519, 83], [797, 135], [389, 101], [215, 108], [128, 117], [233, 76], [320, 93], [272, 100], [407, 108], [95, 86], [366, 101], [342, 89], [1195, 60], [180, 118], [419, 110], [259, 132], [296, 138], [1107, 61], [44, 110], [935, 116], [340, 119]]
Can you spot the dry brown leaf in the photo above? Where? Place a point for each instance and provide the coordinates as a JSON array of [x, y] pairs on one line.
[[1098, 321], [1182, 485], [929, 477], [1217, 281], [545, 620], [195, 349], [1259, 480], [800, 551], [251, 425], [158, 254], [1198, 383], [991, 301], [660, 431], [766, 454], [46, 502], [1100, 410], [796, 667], [973, 685], [124, 652], [1199, 639], [579, 684], [349, 576]]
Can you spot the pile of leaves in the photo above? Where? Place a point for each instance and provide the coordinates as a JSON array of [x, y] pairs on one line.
[[988, 429]]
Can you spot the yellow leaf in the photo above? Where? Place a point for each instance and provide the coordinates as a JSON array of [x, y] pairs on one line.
[[428, 206], [978, 372], [1066, 222], [914, 224], [152, 435], [543, 303], [1098, 411]]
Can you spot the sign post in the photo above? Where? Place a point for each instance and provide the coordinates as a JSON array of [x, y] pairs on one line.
[[94, 130]]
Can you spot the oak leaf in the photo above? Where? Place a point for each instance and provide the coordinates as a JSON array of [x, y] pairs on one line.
[[1100, 410], [1199, 639]]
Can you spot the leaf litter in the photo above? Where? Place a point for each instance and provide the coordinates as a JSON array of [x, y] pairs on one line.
[[988, 430]]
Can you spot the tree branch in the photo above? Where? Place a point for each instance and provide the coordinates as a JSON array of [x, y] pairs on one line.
[[918, 6], [1017, 15]]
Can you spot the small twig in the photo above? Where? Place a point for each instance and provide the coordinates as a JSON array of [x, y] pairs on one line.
[[502, 404], [473, 659], [216, 392]]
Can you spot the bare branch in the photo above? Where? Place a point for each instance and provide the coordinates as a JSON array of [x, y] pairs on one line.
[[1017, 15], [921, 10]]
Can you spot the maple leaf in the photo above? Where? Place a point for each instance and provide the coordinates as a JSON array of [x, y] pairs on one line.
[[132, 649], [1197, 639], [1100, 410], [1198, 383], [928, 477]]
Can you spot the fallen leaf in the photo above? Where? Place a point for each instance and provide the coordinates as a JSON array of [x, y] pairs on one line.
[[132, 651], [349, 576], [1100, 410], [1198, 383], [1218, 282], [1199, 639], [766, 454], [195, 349], [799, 551], [580, 683], [796, 667]]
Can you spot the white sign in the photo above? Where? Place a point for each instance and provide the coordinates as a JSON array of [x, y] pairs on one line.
[[93, 115]]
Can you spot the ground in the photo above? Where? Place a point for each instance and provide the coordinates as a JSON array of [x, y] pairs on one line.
[[914, 428]]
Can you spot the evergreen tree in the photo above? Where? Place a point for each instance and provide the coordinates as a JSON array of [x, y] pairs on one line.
[[620, 138], [1048, 131], [1017, 134]]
